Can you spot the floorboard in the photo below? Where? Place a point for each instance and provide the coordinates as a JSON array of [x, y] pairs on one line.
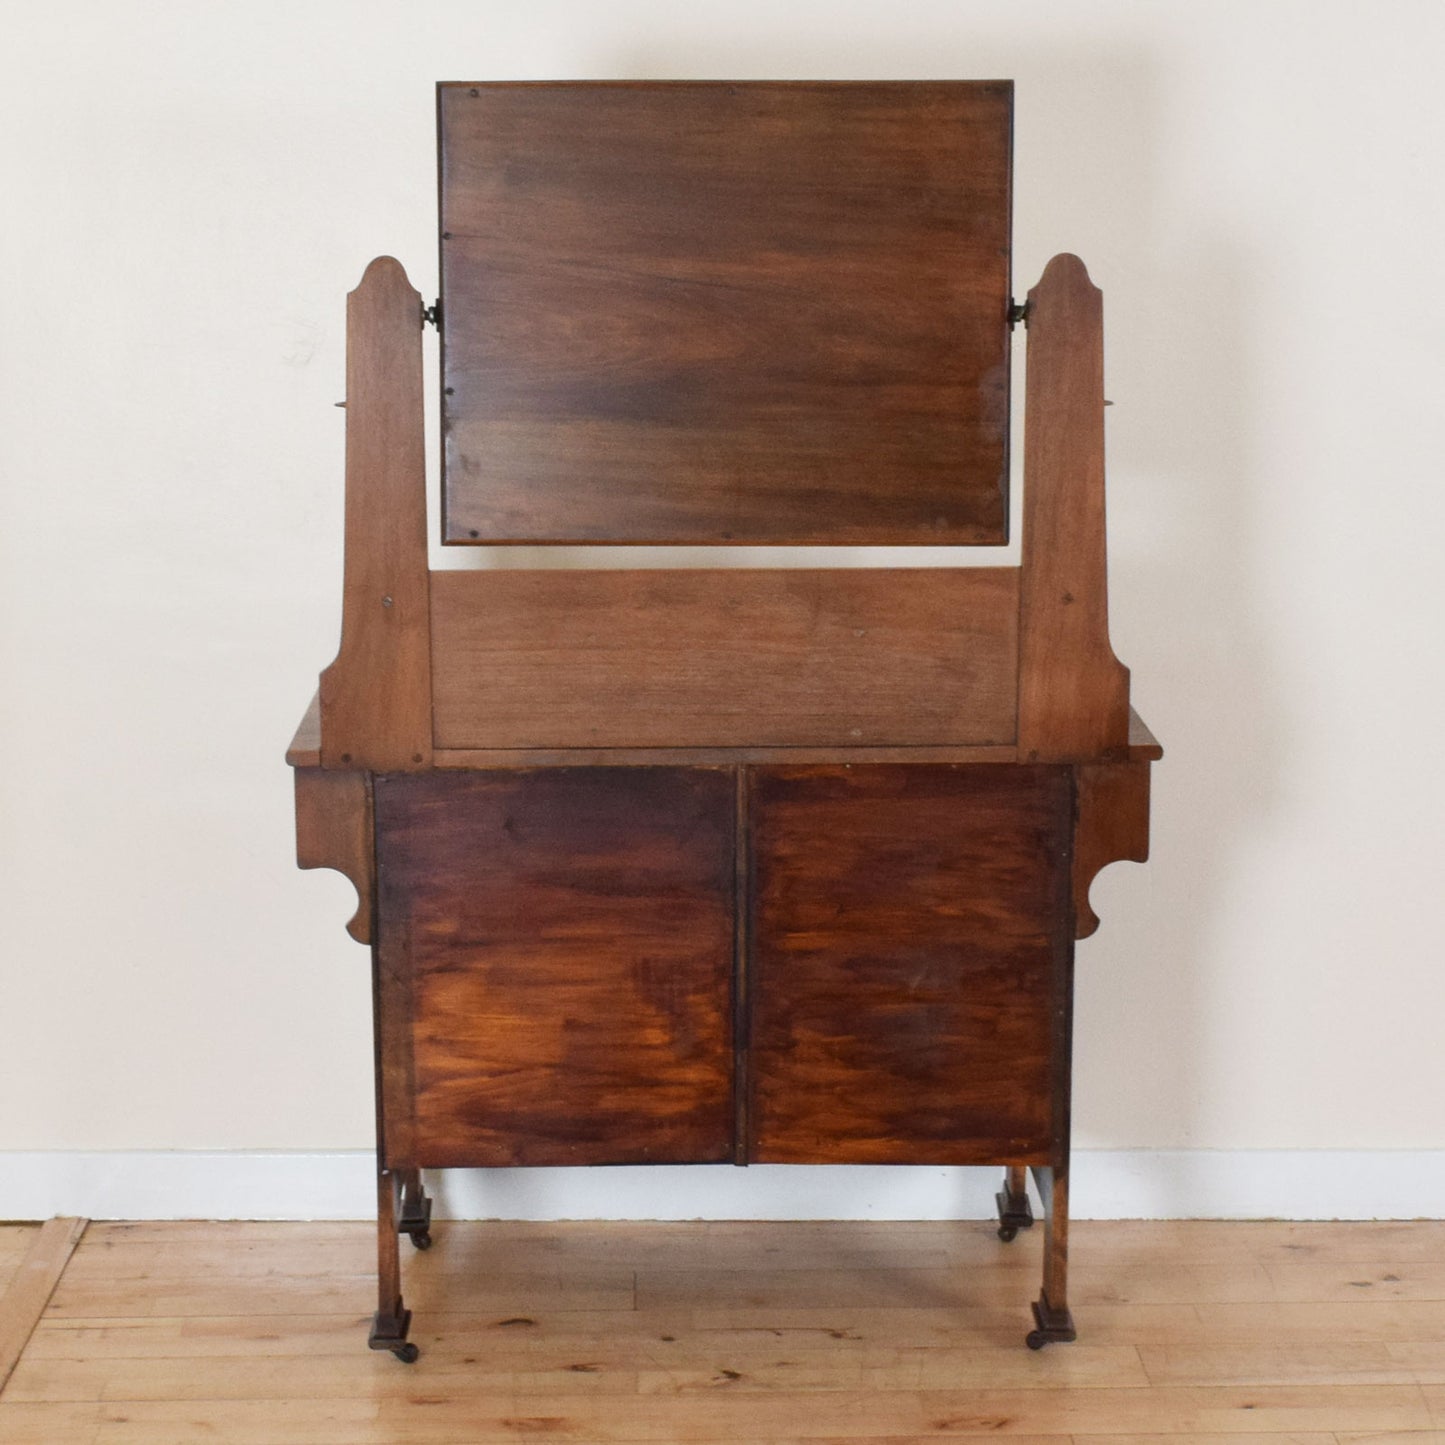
[[830, 1334], [30, 1284]]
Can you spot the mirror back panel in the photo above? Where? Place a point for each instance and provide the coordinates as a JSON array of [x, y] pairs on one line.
[[699, 312]]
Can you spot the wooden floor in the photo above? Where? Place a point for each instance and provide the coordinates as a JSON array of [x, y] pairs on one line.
[[254, 1334]]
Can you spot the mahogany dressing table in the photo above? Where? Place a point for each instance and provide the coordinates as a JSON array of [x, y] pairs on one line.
[[724, 865]]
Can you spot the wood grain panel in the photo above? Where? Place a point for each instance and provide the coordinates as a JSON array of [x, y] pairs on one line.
[[710, 757], [375, 697], [713, 312], [724, 658], [568, 938], [1073, 691], [909, 937]]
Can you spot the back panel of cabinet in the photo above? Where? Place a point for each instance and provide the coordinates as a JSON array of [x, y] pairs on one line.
[[555, 965], [909, 962]]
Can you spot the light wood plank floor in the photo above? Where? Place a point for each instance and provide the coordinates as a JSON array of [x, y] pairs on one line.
[[14, 1241], [254, 1334]]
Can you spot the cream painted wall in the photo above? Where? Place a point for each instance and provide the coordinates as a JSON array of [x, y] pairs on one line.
[[189, 190]]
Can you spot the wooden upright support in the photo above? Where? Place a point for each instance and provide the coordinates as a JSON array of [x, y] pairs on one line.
[[376, 696], [1073, 691]]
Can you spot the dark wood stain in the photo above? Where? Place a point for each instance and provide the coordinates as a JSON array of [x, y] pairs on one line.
[[757, 312], [568, 935], [907, 928]]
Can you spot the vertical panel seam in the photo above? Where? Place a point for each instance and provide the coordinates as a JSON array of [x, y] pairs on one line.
[[742, 945]]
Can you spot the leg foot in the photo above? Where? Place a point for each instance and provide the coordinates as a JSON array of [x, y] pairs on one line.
[[1012, 1200], [1053, 1326], [1051, 1312], [388, 1332], [391, 1321]]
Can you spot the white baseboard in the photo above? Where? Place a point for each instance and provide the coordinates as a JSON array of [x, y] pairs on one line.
[[1105, 1184]]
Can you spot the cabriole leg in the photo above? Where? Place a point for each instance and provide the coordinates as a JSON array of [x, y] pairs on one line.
[[388, 1329], [1014, 1213], [1051, 1311], [415, 1217]]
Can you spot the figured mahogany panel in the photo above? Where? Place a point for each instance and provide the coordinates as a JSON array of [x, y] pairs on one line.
[[725, 312], [563, 944], [724, 658], [909, 963]]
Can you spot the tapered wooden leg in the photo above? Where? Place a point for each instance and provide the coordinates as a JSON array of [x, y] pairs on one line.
[[415, 1217], [388, 1329], [1052, 1319], [1014, 1213]]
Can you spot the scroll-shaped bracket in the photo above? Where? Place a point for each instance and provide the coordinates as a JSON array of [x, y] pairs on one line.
[[376, 696], [1112, 827], [1073, 691], [334, 830]]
